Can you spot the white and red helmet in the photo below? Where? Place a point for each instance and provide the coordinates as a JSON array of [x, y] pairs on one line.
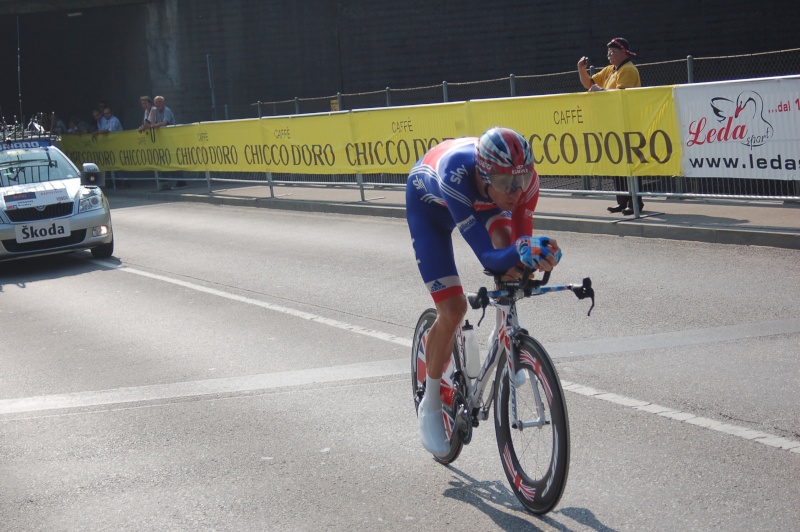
[[504, 159]]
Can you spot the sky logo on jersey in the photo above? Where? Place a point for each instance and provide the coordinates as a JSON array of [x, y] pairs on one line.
[[458, 174]]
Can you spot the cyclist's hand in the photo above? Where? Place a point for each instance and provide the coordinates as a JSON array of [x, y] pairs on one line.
[[549, 253], [525, 251], [540, 253]]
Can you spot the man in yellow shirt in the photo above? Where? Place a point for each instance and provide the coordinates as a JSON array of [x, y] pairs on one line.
[[620, 74]]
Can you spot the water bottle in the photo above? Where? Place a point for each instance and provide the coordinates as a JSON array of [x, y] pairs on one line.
[[472, 352]]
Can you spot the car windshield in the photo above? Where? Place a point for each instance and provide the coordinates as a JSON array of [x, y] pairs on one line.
[[35, 165]]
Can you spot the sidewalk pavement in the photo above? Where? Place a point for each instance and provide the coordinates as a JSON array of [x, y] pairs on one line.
[[762, 223]]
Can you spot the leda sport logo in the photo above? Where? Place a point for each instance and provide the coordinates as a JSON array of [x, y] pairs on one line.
[[740, 121]]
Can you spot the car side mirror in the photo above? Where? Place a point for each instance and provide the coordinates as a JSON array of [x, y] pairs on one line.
[[92, 176]]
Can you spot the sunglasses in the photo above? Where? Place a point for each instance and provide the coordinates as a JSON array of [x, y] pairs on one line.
[[509, 184]]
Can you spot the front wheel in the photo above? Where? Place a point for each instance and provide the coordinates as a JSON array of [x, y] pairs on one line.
[[534, 447], [452, 398], [103, 251]]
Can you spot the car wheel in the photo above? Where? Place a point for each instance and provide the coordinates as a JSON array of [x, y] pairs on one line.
[[103, 251]]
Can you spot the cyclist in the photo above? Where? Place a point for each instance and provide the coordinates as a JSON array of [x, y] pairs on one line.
[[488, 188]]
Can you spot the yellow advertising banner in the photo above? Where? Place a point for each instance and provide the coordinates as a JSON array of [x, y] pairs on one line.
[[616, 133], [631, 132], [391, 140]]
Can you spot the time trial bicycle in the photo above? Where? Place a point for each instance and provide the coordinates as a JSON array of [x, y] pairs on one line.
[[519, 379]]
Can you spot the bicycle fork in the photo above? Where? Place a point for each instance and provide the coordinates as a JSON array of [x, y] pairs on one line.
[[517, 422], [515, 370]]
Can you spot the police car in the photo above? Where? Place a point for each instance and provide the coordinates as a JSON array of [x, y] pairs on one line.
[[47, 205]]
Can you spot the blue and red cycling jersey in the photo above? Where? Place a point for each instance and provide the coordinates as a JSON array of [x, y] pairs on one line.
[[442, 193]]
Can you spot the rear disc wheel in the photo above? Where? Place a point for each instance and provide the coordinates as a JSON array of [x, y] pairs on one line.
[[450, 385]]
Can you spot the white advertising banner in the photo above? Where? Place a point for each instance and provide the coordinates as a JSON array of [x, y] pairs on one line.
[[746, 129]]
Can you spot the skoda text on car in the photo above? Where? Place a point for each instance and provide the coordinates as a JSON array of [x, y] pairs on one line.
[[47, 205]]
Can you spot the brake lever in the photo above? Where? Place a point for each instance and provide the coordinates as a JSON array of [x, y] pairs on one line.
[[584, 291], [479, 301]]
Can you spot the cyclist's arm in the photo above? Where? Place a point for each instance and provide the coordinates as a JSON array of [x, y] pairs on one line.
[[459, 193], [471, 225], [522, 216]]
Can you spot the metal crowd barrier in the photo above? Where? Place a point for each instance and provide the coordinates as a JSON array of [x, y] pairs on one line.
[[768, 190]]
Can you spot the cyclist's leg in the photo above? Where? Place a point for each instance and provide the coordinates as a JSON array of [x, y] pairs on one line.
[[450, 313], [431, 229]]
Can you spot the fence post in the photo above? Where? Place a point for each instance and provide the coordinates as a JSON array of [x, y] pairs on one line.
[[296, 105], [158, 184], [339, 100], [633, 188], [271, 185], [113, 180], [210, 70], [259, 109], [444, 91], [388, 97], [513, 80], [360, 181], [690, 68], [208, 180]]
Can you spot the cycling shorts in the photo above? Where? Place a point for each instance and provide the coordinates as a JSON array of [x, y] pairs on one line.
[[431, 226]]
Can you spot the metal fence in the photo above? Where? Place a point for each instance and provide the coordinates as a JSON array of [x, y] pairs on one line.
[[689, 70]]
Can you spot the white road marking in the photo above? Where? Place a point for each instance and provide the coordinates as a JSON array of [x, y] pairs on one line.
[[685, 417], [230, 385], [381, 368], [386, 337]]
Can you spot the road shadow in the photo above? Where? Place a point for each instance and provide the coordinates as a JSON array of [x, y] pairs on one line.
[[22, 272], [510, 515]]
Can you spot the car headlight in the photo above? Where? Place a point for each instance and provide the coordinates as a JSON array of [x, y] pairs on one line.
[[91, 199]]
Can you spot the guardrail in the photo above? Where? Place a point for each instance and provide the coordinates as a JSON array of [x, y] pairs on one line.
[[768, 191]]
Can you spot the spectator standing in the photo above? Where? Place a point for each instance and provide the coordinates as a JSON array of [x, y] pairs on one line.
[[99, 120], [111, 123], [73, 126], [165, 117], [149, 113], [621, 73]]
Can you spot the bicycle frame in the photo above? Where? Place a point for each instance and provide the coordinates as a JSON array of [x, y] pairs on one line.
[[506, 328]]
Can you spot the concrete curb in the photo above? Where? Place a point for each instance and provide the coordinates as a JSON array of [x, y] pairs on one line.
[[714, 235]]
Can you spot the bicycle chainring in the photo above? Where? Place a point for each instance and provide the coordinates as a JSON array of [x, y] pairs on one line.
[[462, 414]]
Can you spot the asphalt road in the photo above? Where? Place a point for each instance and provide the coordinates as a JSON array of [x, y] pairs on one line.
[[247, 369]]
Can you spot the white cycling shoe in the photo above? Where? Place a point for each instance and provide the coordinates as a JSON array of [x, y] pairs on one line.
[[431, 424]]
